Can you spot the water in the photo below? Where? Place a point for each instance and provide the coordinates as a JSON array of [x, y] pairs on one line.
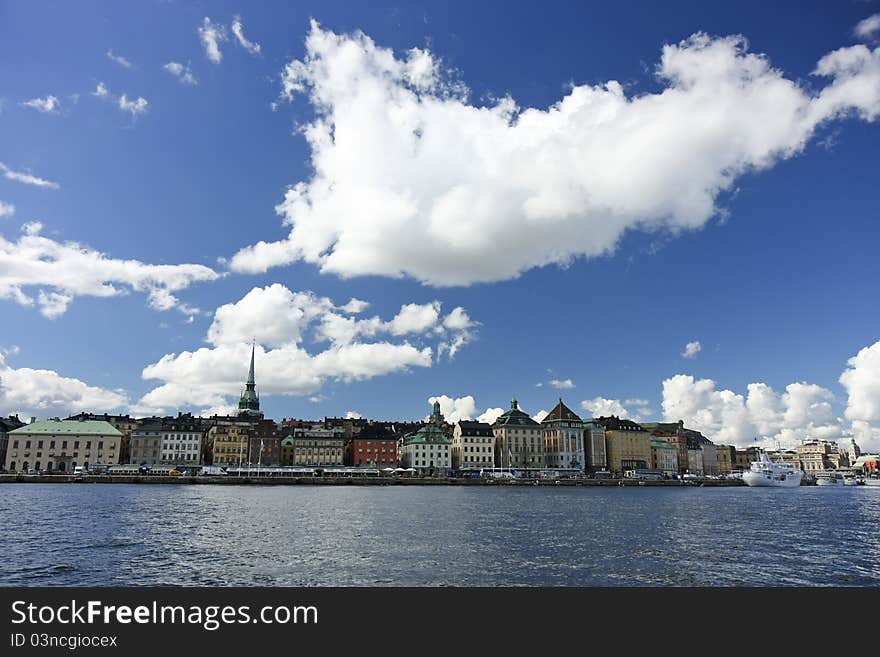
[[106, 535]]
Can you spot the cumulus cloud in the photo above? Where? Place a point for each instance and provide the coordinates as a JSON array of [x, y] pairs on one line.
[[45, 393], [303, 341], [57, 272], [540, 415], [566, 384], [600, 407], [484, 193], [6, 209], [238, 31], [490, 415], [868, 28], [861, 379], [119, 59], [27, 178], [455, 409], [211, 36], [691, 349], [802, 412], [47, 105], [101, 90], [183, 73], [353, 415]]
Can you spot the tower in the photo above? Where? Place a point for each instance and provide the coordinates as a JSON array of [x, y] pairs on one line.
[[249, 404]]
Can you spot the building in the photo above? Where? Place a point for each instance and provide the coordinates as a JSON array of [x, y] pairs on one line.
[[428, 449], [745, 457], [627, 445], [563, 433], [473, 445], [684, 440], [168, 441], [60, 445], [317, 446], [264, 446], [594, 443], [726, 457], [228, 443], [519, 440], [287, 451], [710, 458], [820, 455], [373, 446], [249, 403], [124, 423], [664, 456], [695, 461], [7, 424], [145, 446]]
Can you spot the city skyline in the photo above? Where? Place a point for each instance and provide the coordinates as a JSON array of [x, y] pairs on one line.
[[678, 227]]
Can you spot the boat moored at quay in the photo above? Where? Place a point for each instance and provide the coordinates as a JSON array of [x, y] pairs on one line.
[[765, 472]]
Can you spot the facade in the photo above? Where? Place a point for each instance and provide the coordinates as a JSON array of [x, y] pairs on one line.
[[726, 457], [168, 441], [819, 455], [745, 457], [664, 456], [473, 445], [519, 440], [627, 445], [594, 442], [563, 433], [428, 449], [61, 445], [373, 446], [145, 447], [287, 451], [317, 447], [684, 440], [264, 446], [695, 461], [228, 443], [124, 423], [710, 459], [7, 424]]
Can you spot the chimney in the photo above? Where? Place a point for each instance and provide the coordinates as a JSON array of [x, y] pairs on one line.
[[33, 419]]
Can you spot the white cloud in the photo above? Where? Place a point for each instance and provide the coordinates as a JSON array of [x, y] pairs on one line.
[[44, 393], [47, 105], [540, 415], [691, 349], [6, 209], [58, 272], [803, 411], [238, 31], [27, 178], [287, 325], [353, 415], [183, 73], [135, 107], [212, 36], [460, 408], [101, 90], [868, 27], [490, 415], [119, 59], [601, 407], [861, 379], [567, 384], [486, 193], [355, 306]]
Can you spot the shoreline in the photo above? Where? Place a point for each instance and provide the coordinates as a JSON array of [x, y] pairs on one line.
[[346, 481]]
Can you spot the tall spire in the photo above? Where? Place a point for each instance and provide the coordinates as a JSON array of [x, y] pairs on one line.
[[250, 379], [249, 404]]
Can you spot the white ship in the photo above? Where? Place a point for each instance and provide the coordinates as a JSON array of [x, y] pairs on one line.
[[872, 480], [829, 478], [765, 472]]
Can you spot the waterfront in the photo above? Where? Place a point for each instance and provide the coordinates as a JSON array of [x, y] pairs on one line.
[[436, 536]]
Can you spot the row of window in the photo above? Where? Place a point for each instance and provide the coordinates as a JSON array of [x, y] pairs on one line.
[[76, 443]]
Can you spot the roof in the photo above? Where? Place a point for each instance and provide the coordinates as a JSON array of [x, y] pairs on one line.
[[515, 417], [561, 412], [472, 428], [70, 427], [287, 442], [427, 435], [614, 423]]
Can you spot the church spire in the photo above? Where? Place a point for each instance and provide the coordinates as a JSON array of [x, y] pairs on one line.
[[250, 379], [249, 404]]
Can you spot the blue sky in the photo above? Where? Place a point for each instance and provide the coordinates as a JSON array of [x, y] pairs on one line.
[[777, 280]]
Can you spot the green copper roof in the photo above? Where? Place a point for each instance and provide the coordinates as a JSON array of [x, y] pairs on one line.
[[427, 435], [287, 442], [69, 427], [515, 417], [250, 401]]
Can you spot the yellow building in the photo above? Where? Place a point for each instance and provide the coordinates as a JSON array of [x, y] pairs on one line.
[[228, 444], [627, 445], [726, 455]]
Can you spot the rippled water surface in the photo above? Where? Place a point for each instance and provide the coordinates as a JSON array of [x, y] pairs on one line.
[[55, 534]]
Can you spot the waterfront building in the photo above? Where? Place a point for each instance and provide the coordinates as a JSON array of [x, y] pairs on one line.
[[473, 445], [61, 445], [287, 451], [264, 446], [854, 452], [519, 440], [820, 455], [124, 423], [317, 446], [726, 457], [373, 446], [627, 444], [867, 463], [168, 441], [745, 457], [249, 403], [684, 440], [428, 449], [695, 461], [228, 443], [594, 443], [7, 424], [710, 458], [145, 447], [563, 434], [664, 456]]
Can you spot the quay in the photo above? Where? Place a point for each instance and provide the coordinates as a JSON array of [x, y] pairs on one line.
[[348, 481]]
